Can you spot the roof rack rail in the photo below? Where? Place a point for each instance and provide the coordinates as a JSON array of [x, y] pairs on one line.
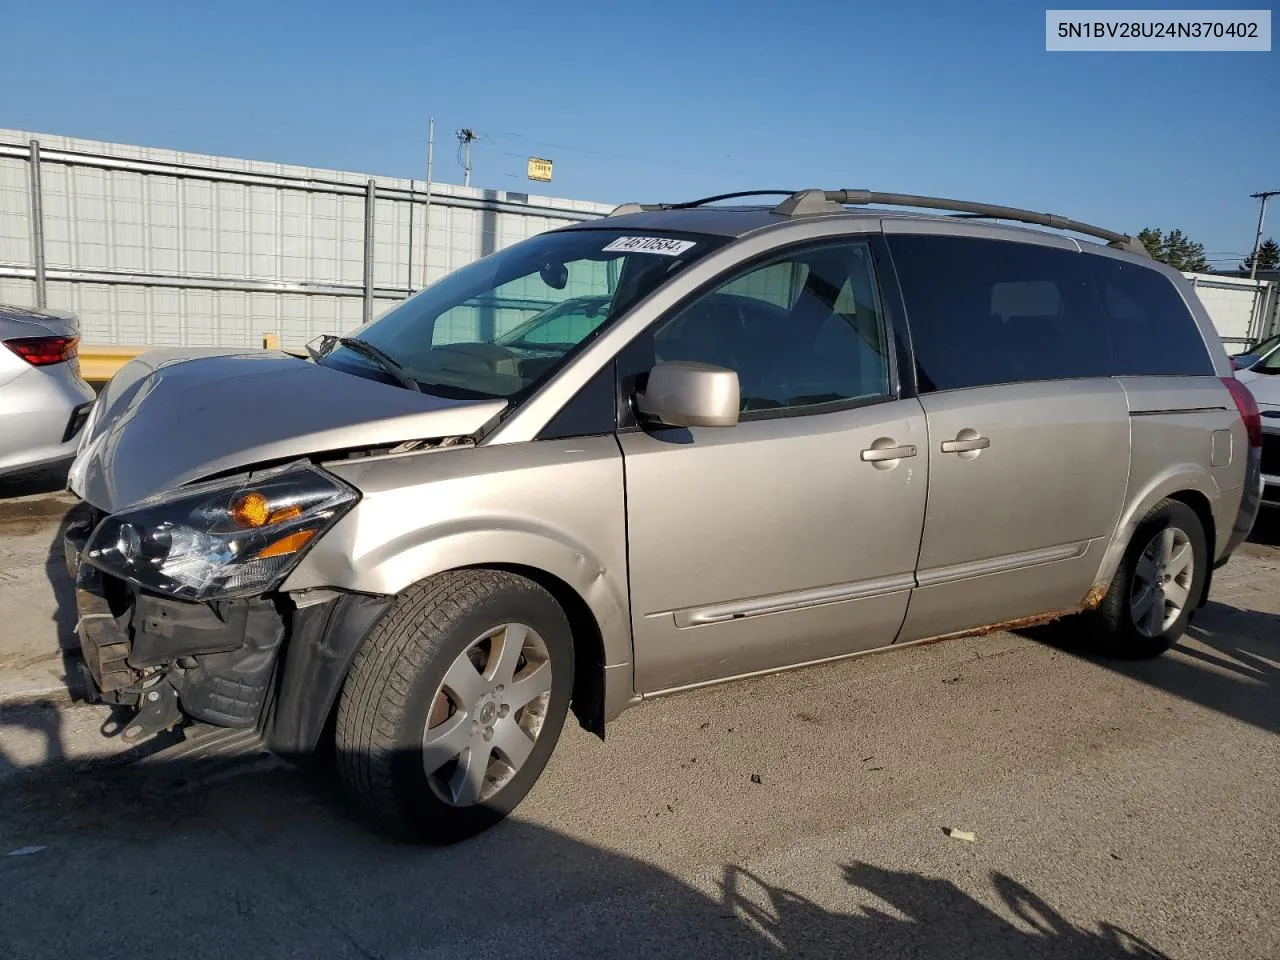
[[625, 208], [825, 201]]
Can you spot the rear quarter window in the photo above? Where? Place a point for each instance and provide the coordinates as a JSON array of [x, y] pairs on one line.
[[1150, 329]]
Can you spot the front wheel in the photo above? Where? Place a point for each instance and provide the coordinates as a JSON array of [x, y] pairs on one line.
[[454, 704], [1157, 585]]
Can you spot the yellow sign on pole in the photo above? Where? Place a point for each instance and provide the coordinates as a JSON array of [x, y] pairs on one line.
[[539, 169]]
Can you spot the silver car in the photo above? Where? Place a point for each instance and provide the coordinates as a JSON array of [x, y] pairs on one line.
[[1258, 352], [800, 432], [43, 400], [1262, 377]]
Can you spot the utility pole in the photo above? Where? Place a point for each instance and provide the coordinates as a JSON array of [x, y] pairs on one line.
[[1264, 196], [465, 137], [426, 214]]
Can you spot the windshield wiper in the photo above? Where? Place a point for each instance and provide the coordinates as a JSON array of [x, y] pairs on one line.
[[364, 348]]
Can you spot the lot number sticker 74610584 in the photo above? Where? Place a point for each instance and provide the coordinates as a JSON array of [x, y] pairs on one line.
[[663, 245]]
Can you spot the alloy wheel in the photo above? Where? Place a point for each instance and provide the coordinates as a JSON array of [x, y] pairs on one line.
[[487, 714], [1162, 582]]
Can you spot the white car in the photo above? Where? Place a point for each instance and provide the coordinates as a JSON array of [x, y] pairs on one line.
[[1263, 381], [43, 400]]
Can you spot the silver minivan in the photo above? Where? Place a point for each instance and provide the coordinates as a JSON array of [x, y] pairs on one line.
[[738, 439]]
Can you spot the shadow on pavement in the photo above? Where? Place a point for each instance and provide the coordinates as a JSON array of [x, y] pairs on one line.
[[47, 480], [1231, 667], [122, 863], [64, 617]]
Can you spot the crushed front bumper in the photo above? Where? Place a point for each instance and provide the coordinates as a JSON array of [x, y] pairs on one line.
[[171, 659]]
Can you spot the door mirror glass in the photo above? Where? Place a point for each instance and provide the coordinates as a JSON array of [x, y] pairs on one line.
[[686, 393]]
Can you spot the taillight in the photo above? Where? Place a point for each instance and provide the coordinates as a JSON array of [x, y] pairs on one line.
[[1248, 408], [44, 351]]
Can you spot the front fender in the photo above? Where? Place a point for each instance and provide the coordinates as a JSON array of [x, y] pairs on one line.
[[555, 507], [404, 561]]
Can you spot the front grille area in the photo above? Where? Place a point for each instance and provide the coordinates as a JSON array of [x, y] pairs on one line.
[[1271, 454]]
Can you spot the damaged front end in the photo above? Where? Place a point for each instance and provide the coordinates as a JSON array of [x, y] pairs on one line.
[[176, 603], [212, 662]]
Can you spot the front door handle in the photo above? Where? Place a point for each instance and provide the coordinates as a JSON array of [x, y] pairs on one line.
[[964, 446], [878, 454]]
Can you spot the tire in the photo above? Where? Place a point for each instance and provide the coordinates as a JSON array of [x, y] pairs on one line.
[[413, 670], [1127, 627]]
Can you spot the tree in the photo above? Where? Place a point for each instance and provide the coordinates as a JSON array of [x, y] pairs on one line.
[[1176, 249], [1268, 256]]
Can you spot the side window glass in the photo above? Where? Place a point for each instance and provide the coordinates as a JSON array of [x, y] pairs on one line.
[[805, 330], [985, 312], [1151, 330], [776, 284]]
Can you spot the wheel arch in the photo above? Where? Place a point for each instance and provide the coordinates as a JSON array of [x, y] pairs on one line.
[[324, 638], [1202, 508], [1186, 483], [588, 699]]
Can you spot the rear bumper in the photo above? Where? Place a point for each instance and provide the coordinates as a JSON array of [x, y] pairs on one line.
[[41, 415]]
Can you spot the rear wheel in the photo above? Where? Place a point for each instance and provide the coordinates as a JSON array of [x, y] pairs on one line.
[[1157, 585], [454, 704]]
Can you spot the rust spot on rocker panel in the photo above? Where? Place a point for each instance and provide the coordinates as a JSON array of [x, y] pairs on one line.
[[1090, 601], [1094, 596]]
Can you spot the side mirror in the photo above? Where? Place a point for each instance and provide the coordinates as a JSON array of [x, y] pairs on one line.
[[685, 393]]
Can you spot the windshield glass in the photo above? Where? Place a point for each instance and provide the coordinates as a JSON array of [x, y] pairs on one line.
[[1270, 363], [501, 325], [1261, 350]]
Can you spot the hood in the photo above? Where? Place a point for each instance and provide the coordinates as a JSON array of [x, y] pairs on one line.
[[1265, 387], [171, 417]]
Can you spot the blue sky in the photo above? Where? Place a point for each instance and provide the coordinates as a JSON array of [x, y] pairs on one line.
[[671, 100]]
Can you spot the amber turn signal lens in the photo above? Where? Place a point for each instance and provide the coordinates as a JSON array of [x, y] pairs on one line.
[[286, 513], [250, 510], [289, 543]]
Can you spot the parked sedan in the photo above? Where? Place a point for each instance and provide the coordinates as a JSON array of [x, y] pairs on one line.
[[43, 400], [1263, 380], [1256, 353]]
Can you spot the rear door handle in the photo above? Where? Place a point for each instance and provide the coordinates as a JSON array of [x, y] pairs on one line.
[[876, 454], [963, 446]]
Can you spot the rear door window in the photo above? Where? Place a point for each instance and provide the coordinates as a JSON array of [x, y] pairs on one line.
[[985, 312], [1150, 329]]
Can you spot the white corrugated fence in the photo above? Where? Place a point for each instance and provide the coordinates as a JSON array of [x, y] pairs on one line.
[[157, 247]]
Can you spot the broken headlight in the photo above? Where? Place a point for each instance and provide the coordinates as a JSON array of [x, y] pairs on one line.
[[221, 539]]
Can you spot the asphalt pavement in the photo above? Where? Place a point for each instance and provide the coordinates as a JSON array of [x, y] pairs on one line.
[[1116, 810]]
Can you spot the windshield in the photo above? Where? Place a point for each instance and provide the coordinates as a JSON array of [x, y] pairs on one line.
[[1270, 363], [1261, 350], [499, 326]]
